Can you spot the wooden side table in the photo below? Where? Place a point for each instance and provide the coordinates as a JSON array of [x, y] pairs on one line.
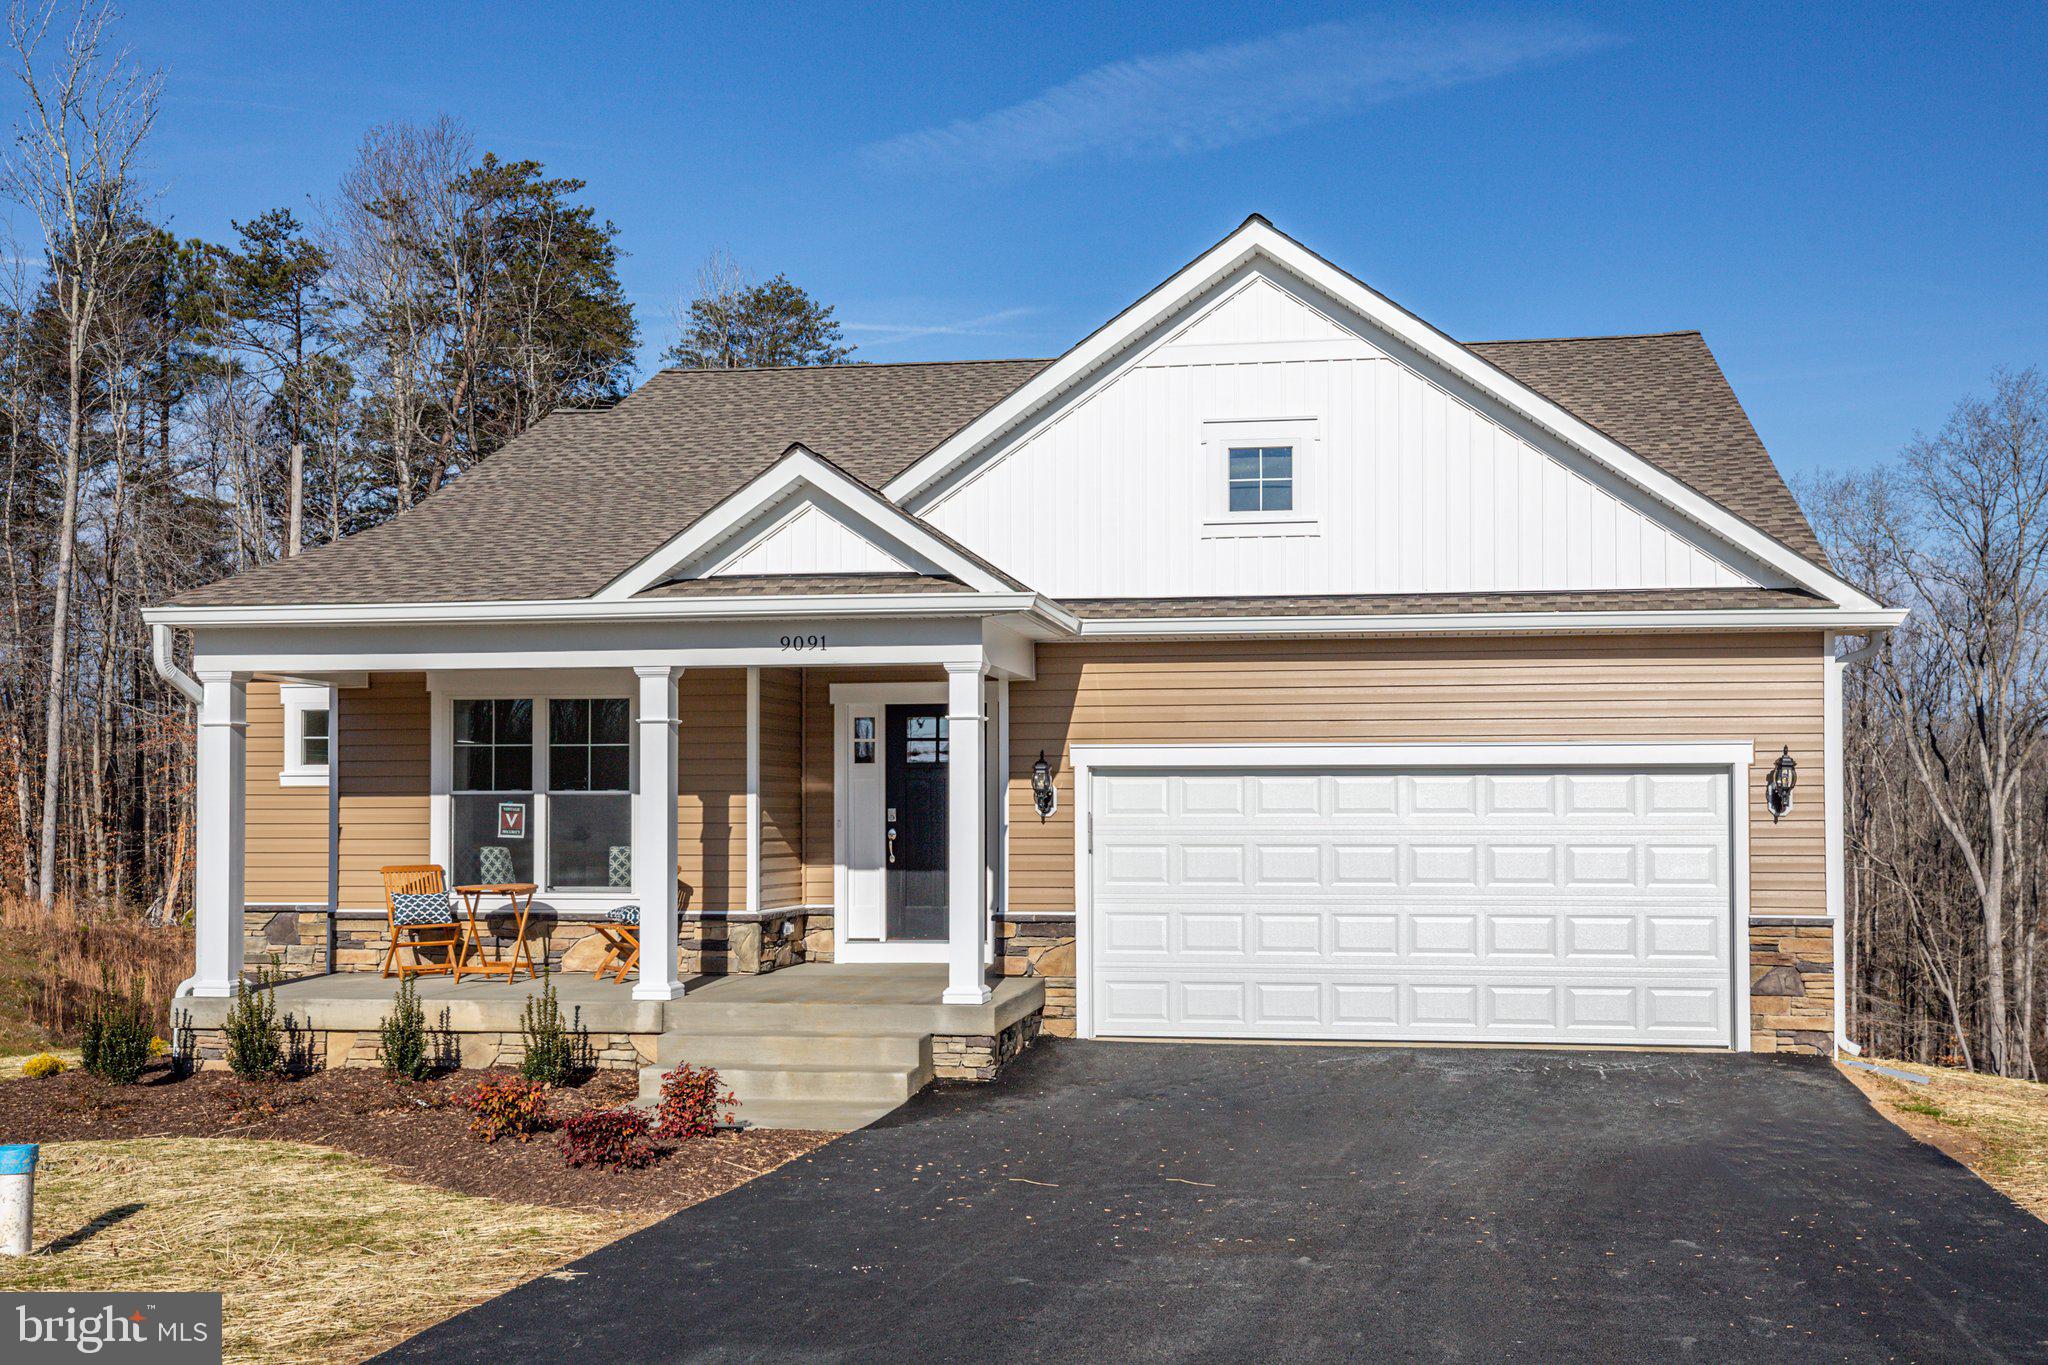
[[520, 896]]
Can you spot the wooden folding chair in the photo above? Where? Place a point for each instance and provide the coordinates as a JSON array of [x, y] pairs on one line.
[[420, 915], [620, 930]]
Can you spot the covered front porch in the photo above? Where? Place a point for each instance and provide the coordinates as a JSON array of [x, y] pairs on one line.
[[762, 794]]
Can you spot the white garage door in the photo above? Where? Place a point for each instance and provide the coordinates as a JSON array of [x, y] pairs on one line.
[[1495, 906]]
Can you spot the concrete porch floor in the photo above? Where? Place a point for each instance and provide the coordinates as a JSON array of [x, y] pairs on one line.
[[852, 997]]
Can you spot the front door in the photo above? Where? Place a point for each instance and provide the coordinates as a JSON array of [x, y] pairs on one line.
[[914, 839]]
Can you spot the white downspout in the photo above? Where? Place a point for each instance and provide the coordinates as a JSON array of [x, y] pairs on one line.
[[162, 657], [1836, 824], [166, 662]]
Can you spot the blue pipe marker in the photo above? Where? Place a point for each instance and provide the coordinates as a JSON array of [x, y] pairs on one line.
[[18, 1158]]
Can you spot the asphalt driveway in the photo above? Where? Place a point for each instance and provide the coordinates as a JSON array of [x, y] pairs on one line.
[[1143, 1202]]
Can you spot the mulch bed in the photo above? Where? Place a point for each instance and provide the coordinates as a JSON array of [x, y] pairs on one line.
[[418, 1130]]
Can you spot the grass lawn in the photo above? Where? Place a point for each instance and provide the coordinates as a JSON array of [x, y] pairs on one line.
[[1996, 1127], [323, 1256]]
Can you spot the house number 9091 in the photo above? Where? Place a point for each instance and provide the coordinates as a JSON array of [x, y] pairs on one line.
[[803, 642]]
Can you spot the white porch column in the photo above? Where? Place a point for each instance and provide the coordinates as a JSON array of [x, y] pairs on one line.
[[654, 834], [966, 836], [221, 793]]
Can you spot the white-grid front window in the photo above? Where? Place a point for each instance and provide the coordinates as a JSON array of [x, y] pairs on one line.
[[541, 792]]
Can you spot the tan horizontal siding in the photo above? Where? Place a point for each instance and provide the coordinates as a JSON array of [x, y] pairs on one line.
[[385, 739], [1765, 689], [711, 815], [285, 827], [782, 787]]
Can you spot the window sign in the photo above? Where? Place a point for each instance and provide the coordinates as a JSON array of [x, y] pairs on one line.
[[511, 820]]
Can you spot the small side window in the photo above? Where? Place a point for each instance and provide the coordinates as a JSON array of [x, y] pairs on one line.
[[313, 739], [308, 734]]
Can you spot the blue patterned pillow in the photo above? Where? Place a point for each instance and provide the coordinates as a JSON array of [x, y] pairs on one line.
[[623, 914], [421, 907]]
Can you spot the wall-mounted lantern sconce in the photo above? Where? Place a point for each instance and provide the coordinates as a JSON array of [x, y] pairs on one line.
[[1778, 787], [1043, 794]]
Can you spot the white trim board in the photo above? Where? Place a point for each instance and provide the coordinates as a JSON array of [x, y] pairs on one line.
[[1734, 757], [1258, 240]]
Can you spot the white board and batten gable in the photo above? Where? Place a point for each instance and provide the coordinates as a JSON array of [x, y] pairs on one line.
[[809, 536], [1414, 466], [1400, 483]]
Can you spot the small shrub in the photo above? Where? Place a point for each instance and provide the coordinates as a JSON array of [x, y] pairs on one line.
[[557, 1052], [158, 1049], [117, 1036], [184, 1045], [616, 1139], [691, 1103], [407, 1052], [255, 1036], [41, 1065], [507, 1106]]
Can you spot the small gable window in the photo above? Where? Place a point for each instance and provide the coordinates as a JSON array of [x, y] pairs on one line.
[[1261, 478]]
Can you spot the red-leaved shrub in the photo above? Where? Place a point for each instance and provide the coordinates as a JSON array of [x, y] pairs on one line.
[[614, 1138], [506, 1106], [691, 1103]]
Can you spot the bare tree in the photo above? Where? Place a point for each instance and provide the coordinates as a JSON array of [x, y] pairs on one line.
[[391, 195], [720, 277], [76, 145], [1946, 760]]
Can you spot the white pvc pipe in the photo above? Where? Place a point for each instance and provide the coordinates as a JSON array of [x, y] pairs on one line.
[[17, 1198]]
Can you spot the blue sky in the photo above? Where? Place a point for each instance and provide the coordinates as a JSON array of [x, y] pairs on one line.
[[1849, 200]]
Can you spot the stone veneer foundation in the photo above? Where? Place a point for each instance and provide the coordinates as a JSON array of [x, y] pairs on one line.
[[292, 940], [1792, 986], [1042, 946]]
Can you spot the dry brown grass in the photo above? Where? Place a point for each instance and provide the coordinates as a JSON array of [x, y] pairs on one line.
[[1996, 1127], [52, 964], [321, 1256]]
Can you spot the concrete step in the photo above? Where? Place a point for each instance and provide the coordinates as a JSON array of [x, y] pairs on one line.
[[816, 1116], [707, 1013], [814, 1081], [752, 1047]]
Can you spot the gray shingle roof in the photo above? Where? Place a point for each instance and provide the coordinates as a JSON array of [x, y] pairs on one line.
[[584, 496], [1664, 397]]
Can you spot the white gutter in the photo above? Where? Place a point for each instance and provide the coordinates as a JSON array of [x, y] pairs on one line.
[[1843, 1042]]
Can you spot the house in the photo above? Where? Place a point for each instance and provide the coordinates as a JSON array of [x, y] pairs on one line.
[[1270, 665]]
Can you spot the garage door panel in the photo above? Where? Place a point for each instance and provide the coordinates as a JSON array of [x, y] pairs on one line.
[[1502, 906], [1224, 1005]]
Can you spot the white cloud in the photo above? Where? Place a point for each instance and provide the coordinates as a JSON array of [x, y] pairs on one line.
[[892, 333], [1206, 98]]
